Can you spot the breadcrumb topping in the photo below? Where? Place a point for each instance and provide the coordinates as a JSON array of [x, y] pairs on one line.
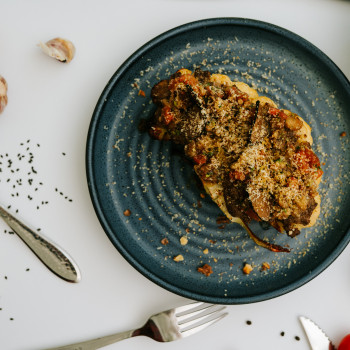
[[258, 154]]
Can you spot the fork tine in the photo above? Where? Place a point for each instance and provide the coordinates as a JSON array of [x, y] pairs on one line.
[[195, 311], [202, 326], [204, 311], [184, 308], [185, 321]]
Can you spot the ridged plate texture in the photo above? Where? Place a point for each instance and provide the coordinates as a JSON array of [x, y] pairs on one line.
[[127, 170]]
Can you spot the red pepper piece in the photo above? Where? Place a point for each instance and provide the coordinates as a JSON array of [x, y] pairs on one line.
[[306, 159], [200, 159], [167, 114], [237, 175]]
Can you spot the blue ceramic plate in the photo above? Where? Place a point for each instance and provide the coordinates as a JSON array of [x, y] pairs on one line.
[[127, 170]]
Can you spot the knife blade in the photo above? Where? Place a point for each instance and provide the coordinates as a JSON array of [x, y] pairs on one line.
[[55, 258], [316, 336]]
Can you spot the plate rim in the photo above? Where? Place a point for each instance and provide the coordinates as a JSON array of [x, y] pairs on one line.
[[91, 180]]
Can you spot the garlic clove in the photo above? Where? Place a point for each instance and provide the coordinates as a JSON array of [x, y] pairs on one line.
[[3, 93], [61, 49]]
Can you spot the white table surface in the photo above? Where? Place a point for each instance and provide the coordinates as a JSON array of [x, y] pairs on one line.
[[51, 104]]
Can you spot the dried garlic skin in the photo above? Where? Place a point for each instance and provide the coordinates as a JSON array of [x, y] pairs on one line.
[[3, 93], [61, 49]]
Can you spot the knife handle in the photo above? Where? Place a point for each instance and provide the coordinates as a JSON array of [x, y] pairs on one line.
[[55, 258]]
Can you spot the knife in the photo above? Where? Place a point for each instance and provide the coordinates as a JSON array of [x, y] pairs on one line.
[[55, 258], [317, 338]]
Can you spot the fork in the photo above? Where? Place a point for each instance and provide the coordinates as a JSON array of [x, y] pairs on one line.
[[165, 326]]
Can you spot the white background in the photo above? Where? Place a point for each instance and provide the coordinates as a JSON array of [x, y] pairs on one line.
[[51, 104]]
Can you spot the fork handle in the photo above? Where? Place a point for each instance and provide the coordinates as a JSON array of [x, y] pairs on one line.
[[98, 343]]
